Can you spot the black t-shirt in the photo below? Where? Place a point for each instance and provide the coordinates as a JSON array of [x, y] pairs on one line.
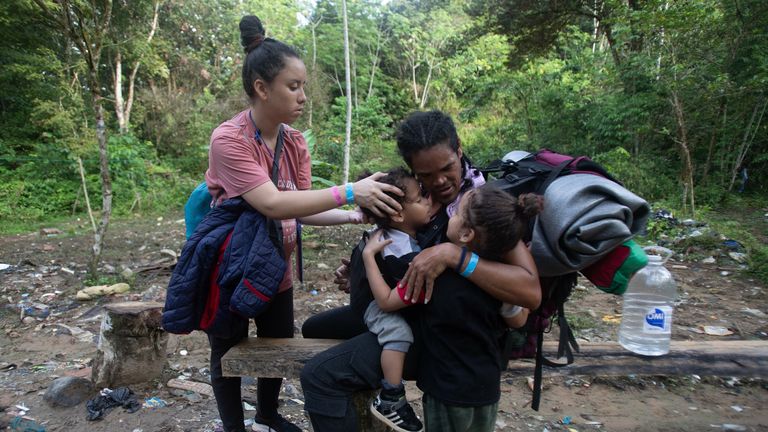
[[458, 336]]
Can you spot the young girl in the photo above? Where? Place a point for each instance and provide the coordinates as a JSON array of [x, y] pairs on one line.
[[241, 163], [488, 223]]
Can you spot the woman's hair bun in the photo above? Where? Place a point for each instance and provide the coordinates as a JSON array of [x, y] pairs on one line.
[[251, 32]]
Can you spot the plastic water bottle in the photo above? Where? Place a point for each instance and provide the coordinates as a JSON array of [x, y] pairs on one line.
[[646, 322]]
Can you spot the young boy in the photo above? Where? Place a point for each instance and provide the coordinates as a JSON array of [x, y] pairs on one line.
[[394, 334]]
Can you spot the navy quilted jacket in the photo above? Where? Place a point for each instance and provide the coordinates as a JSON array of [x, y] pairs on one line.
[[246, 275]]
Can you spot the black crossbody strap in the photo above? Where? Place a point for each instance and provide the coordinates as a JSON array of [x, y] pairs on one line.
[[278, 152]]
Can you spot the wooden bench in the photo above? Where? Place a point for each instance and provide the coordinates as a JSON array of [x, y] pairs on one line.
[[284, 358]]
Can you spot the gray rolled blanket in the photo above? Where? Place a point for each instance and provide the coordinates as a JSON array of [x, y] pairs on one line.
[[585, 216]]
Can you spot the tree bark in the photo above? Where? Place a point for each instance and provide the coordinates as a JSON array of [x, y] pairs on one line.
[[123, 107], [87, 30], [348, 134], [374, 64], [748, 139], [685, 153], [118, 83], [313, 26]]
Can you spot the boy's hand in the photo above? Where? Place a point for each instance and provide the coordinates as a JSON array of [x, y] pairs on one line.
[[375, 244]]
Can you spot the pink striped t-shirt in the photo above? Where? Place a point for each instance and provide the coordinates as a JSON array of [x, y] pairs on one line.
[[237, 163]]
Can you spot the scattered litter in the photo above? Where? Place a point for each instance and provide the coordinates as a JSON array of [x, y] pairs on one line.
[[155, 402], [730, 427], [169, 253], [738, 256], [101, 405], [102, 290], [68, 271], [183, 352], [529, 380], [737, 408], [717, 331], [4, 266], [709, 260], [7, 367], [194, 386], [25, 424], [566, 420], [612, 319], [754, 312], [313, 292], [248, 407], [80, 334], [724, 273]]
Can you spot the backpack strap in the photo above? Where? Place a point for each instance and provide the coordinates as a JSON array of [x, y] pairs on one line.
[[275, 226], [553, 175], [567, 343]]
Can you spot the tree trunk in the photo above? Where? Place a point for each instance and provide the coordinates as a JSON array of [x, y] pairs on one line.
[[106, 186], [748, 139], [123, 107], [685, 153], [713, 140], [414, 66], [425, 92], [119, 103], [313, 26], [374, 65], [348, 134]]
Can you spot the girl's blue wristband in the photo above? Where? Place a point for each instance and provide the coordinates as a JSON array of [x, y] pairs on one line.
[[471, 266], [461, 260], [350, 194]]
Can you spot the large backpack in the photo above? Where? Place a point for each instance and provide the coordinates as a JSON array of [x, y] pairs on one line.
[[533, 174]]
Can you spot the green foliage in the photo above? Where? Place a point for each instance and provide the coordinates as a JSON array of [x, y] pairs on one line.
[[514, 74]]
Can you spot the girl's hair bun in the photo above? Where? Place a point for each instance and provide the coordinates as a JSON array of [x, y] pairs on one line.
[[251, 32], [530, 204]]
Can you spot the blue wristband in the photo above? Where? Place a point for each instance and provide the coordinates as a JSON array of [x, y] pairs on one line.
[[461, 260], [350, 194], [471, 266]]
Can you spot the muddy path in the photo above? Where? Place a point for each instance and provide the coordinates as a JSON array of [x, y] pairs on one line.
[[49, 268]]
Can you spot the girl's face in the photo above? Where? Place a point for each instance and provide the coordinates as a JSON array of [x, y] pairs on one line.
[[284, 97], [459, 232], [438, 168]]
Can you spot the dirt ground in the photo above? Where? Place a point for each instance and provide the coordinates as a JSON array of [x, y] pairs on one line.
[[50, 268]]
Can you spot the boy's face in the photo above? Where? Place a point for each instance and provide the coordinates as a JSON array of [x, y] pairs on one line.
[[416, 208]]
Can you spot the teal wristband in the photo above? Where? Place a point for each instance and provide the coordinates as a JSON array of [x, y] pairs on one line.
[[471, 266], [350, 194]]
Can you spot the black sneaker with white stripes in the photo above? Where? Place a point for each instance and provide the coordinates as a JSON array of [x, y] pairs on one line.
[[393, 409]]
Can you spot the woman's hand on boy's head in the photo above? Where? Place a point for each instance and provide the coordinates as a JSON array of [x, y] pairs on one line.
[[373, 195], [376, 243]]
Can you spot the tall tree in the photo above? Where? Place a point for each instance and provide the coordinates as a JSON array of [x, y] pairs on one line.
[[347, 74], [126, 39], [87, 25]]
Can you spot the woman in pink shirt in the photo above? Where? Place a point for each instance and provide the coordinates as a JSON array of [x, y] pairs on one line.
[[240, 164]]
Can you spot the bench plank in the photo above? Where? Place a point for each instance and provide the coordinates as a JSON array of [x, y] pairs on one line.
[[708, 358], [264, 357]]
